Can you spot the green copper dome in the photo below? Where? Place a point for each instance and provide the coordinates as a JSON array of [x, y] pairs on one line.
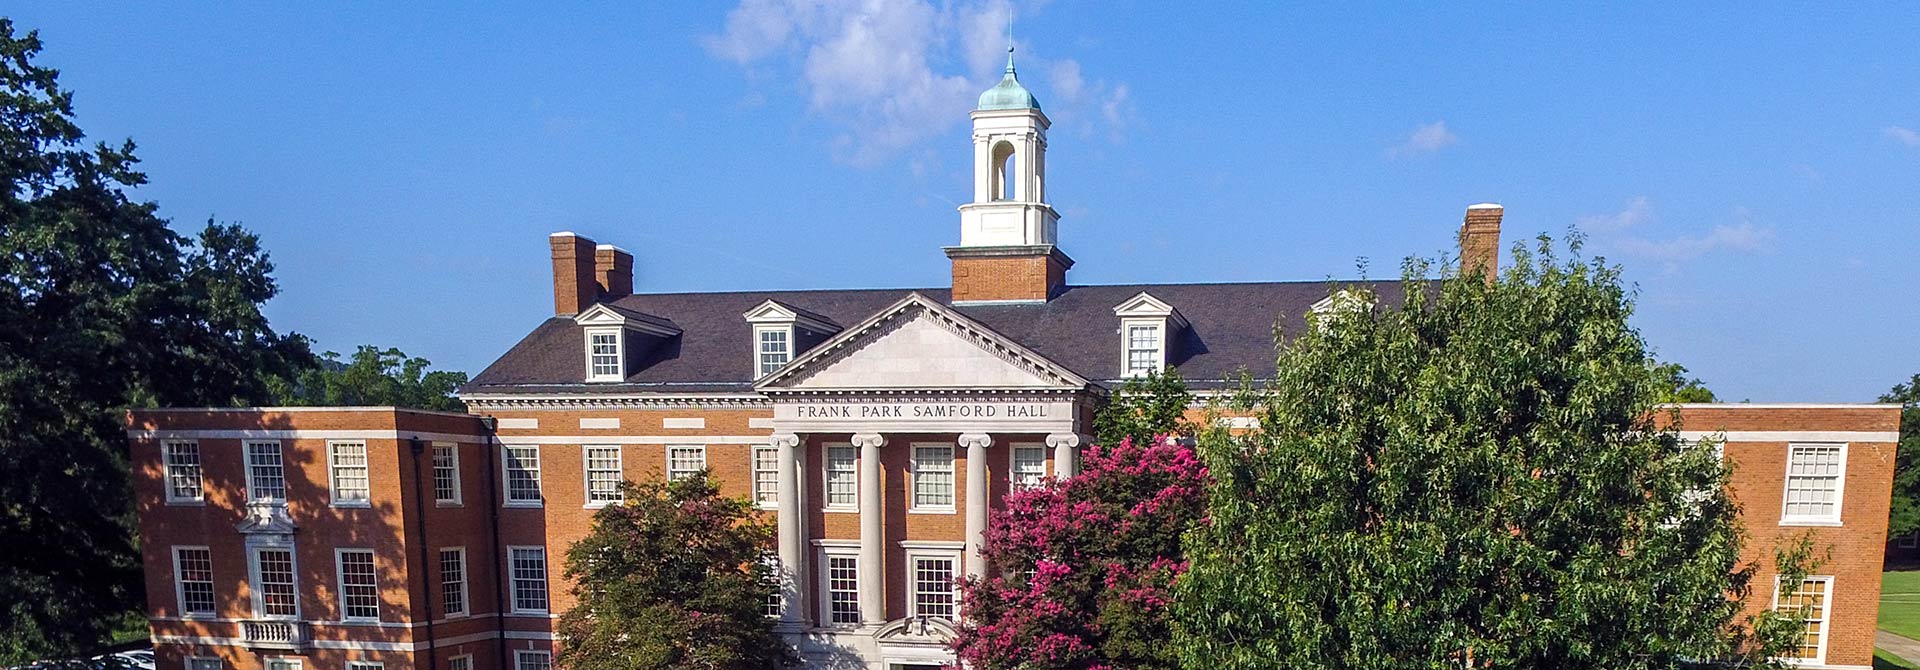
[[1008, 94]]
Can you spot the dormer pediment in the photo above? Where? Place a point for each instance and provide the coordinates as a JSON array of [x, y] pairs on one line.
[[606, 315], [776, 312], [1143, 306]]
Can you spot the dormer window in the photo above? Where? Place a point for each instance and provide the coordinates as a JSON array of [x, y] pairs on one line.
[[776, 348], [1148, 328], [782, 332], [605, 360], [615, 338], [1339, 305]]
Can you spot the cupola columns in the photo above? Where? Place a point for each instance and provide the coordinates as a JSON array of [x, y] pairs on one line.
[[1009, 233]]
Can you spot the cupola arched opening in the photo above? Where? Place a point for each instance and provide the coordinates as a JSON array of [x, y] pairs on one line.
[[1005, 187]]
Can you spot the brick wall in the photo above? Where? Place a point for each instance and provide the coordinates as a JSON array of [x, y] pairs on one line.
[[983, 278]]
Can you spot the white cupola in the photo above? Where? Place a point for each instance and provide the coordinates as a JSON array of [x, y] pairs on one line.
[[1009, 205]]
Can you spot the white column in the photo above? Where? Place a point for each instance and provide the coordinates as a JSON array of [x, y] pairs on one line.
[[792, 529], [977, 479], [873, 576], [1066, 452]]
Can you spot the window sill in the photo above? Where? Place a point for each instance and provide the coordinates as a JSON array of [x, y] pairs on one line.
[[447, 503], [359, 622], [351, 504], [524, 505], [1812, 523], [932, 510], [600, 505], [767, 507], [187, 503], [840, 510]]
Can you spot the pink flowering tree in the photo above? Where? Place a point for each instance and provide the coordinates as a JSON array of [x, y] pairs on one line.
[[1080, 569]]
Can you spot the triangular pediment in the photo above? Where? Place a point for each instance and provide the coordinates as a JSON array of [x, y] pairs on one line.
[[920, 344]]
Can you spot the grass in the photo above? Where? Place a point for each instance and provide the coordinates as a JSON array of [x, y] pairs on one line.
[[1886, 659], [1900, 603]]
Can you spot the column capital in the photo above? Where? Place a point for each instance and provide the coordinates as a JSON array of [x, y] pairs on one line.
[[864, 440], [1068, 440], [969, 440], [784, 440]]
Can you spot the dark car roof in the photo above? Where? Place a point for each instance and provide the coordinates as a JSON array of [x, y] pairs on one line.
[[1232, 328]]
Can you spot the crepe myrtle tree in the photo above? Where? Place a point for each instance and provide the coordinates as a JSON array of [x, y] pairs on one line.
[[672, 578], [1082, 568], [1479, 477]]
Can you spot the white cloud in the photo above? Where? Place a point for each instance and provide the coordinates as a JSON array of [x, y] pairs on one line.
[[1638, 211], [1425, 139], [889, 73], [1906, 136]]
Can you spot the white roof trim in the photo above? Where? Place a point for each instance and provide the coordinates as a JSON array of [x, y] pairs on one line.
[[776, 312], [602, 315], [1144, 305]]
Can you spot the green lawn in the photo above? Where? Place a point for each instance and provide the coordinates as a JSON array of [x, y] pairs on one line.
[[1900, 603], [1885, 659]]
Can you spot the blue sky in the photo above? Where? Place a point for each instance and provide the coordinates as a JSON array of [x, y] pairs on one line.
[[1754, 168]]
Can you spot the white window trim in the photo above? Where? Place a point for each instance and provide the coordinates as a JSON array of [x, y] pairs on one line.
[[1839, 488], [459, 496], [1911, 540], [454, 661], [295, 663], [333, 487], [1826, 620], [365, 665], [180, 587], [520, 655], [246, 460], [826, 492], [619, 353], [825, 596], [189, 661], [166, 472], [546, 580], [340, 583], [506, 478], [913, 585], [1013, 471], [586, 475], [1159, 326], [913, 479], [754, 471], [253, 582], [760, 370], [466, 581], [667, 455]]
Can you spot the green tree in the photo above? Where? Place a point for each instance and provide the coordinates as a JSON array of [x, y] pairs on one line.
[[1676, 386], [102, 306], [374, 377], [1143, 408], [1904, 516], [1477, 478], [672, 579]]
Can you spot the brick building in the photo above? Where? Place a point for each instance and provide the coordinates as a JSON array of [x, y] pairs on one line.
[[877, 426]]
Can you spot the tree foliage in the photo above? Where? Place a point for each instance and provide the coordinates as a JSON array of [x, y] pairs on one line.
[[1476, 478], [374, 376], [1676, 386], [1086, 565], [672, 579], [102, 306], [1904, 517], [1145, 408]]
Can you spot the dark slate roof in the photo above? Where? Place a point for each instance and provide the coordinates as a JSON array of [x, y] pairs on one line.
[[1232, 330]]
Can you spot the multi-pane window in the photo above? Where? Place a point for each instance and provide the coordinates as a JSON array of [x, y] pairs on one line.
[[776, 348], [843, 481], [1143, 349], [1029, 466], [843, 589], [273, 576], [266, 471], [348, 463], [283, 664], [453, 581], [685, 461], [766, 476], [446, 474], [529, 570], [460, 663], [1813, 482], [193, 571], [365, 665], [205, 663], [932, 475], [771, 606], [603, 475], [523, 474], [359, 587], [603, 353], [532, 660], [183, 470], [933, 594], [1808, 602]]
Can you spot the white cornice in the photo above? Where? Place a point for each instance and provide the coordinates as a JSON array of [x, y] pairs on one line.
[[1007, 349]]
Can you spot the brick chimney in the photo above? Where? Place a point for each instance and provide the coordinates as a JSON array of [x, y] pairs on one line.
[[1480, 240], [613, 271], [574, 288], [1026, 273]]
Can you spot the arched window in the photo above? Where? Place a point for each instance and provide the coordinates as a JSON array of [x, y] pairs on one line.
[[1003, 187]]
